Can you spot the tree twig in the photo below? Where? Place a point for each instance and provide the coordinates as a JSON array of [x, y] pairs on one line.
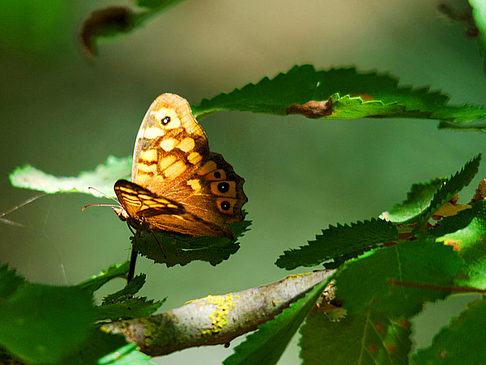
[[215, 319]]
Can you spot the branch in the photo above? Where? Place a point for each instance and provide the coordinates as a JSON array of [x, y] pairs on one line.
[[215, 320]]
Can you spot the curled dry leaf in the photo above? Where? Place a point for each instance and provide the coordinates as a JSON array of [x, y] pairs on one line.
[[112, 19], [312, 109]]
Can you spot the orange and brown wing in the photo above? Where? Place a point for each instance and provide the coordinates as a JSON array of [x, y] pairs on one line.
[[170, 145], [158, 213], [140, 203], [172, 160], [214, 193]]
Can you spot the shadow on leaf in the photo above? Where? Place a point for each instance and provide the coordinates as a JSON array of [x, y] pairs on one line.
[[182, 249]]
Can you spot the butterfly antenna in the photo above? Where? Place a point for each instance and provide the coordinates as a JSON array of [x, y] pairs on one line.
[[100, 205], [105, 195]]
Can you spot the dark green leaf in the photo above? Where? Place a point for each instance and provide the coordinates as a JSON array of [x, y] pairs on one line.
[[42, 324], [266, 345], [97, 345], [363, 283], [418, 199], [449, 188], [154, 4], [339, 94], [462, 342], [129, 308], [127, 292], [365, 338], [103, 178], [339, 244], [174, 249], [97, 281], [456, 222], [9, 281]]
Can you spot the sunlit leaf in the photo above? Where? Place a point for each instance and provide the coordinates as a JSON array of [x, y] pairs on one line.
[[365, 338], [479, 15], [468, 241], [338, 94], [363, 283], [418, 199], [103, 178], [339, 244], [449, 188]]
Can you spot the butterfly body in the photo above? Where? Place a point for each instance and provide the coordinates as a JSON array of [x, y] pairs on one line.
[[178, 185]]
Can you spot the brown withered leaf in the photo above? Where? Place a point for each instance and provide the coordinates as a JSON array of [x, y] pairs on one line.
[[480, 192], [450, 208], [312, 109], [106, 21]]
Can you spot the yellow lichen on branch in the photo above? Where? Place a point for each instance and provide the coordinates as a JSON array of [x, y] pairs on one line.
[[215, 319]]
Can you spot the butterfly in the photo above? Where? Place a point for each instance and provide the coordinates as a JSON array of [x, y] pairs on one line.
[[178, 185]]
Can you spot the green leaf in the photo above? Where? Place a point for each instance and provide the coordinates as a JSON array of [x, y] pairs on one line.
[[155, 4], [129, 308], [339, 94], [455, 223], [9, 282], [363, 283], [122, 304], [448, 189], [174, 249], [266, 345], [42, 324], [126, 355], [462, 342], [103, 178], [127, 292], [364, 338], [97, 281], [479, 15], [98, 345], [418, 199], [469, 242], [339, 244]]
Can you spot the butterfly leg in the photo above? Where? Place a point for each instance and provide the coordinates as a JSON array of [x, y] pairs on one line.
[[160, 245], [133, 256]]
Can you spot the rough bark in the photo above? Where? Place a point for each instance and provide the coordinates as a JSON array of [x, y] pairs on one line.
[[215, 319]]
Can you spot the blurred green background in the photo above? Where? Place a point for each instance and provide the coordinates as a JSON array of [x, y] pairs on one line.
[[63, 114]]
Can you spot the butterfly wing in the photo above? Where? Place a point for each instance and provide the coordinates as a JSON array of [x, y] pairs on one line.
[[140, 203], [170, 145], [172, 160]]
